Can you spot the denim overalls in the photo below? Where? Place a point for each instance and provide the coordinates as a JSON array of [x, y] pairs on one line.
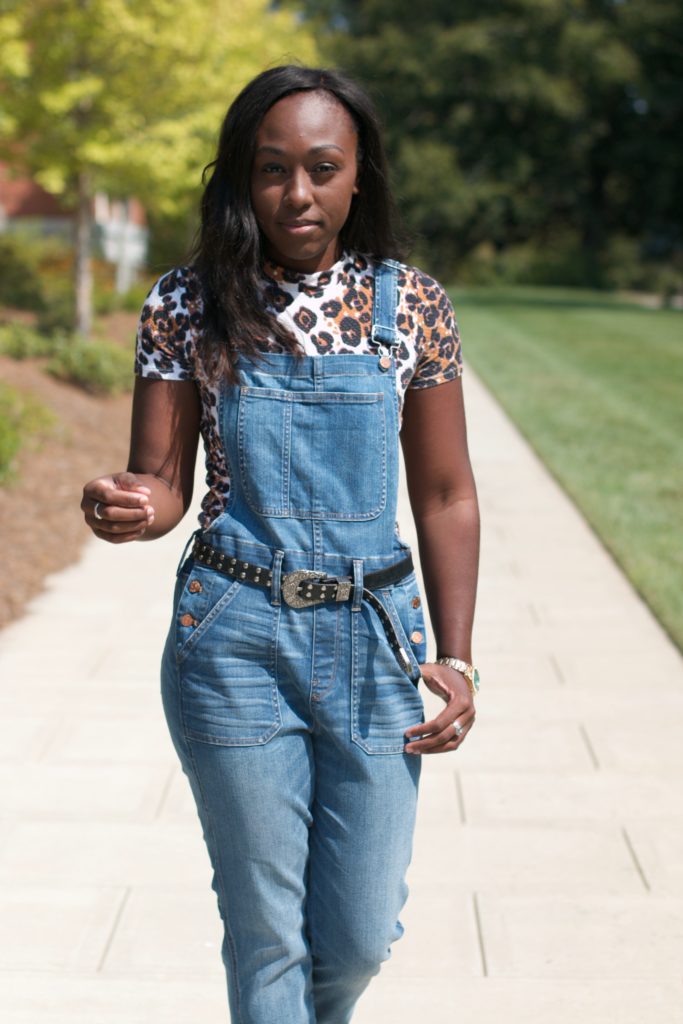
[[289, 721]]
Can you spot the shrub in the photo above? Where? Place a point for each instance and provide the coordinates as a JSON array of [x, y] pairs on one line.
[[98, 367], [59, 313], [20, 284], [132, 301], [23, 419], [19, 341], [627, 269], [109, 301]]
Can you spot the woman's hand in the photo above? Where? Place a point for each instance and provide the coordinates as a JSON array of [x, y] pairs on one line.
[[117, 507], [438, 735]]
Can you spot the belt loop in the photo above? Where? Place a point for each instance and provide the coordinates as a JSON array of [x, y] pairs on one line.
[[357, 584], [190, 539], [277, 578]]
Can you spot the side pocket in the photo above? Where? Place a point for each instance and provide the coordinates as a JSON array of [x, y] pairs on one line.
[[204, 594], [404, 603], [385, 699]]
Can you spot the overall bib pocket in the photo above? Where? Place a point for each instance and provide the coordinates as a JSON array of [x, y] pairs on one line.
[[313, 454], [226, 634]]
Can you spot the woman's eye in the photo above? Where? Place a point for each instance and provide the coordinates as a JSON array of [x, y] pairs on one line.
[[272, 168], [324, 168]]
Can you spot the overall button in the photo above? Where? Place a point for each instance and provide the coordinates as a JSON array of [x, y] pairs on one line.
[[195, 587], [385, 362], [187, 620], [416, 602], [416, 637]]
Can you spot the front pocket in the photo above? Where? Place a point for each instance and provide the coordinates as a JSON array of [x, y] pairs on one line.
[[204, 594], [313, 454], [385, 702], [404, 605], [227, 676]]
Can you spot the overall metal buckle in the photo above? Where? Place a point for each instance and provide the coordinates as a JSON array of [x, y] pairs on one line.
[[290, 586]]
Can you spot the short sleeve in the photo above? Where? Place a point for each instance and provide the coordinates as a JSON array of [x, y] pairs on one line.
[[439, 353], [166, 346]]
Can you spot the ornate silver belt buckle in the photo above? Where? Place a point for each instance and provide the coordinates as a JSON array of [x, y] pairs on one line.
[[290, 585]]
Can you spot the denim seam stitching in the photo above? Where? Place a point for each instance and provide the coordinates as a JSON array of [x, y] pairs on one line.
[[199, 631], [219, 870], [392, 611], [284, 511], [355, 702], [249, 741]]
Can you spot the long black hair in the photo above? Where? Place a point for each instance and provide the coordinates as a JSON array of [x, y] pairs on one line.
[[228, 252]]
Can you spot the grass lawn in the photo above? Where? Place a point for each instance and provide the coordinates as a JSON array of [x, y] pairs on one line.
[[596, 385]]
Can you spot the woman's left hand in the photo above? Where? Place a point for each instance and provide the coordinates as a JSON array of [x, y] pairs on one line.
[[439, 735]]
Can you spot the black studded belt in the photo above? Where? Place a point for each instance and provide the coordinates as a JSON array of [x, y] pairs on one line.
[[305, 587]]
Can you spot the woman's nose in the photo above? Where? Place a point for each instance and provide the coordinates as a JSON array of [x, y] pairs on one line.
[[298, 192]]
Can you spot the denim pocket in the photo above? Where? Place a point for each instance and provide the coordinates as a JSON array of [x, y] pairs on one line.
[[404, 604], [204, 593], [385, 701], [227, 665], [313, 454]]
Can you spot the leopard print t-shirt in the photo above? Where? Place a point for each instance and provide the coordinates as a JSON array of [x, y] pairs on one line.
[[328, 312]]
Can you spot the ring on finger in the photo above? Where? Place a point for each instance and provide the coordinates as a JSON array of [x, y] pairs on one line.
[[96, 510], [459, 729]]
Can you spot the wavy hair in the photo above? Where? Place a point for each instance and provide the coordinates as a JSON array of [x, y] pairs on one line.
[[227, 255]]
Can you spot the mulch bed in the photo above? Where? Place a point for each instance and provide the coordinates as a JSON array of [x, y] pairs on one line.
[[41, 524]]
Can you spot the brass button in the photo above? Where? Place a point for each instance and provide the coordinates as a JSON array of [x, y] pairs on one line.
[[416, 636], [187, 620], [195, 587], [416, 602], [385, 362]]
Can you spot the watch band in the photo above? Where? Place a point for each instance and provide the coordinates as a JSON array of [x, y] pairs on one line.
[[468, 671]]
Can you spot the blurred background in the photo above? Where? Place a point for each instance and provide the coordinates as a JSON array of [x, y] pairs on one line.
[[536, 158]]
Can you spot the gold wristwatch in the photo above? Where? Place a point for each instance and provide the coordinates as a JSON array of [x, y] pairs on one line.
[[469, 671]]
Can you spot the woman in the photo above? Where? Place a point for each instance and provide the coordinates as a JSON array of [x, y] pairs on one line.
[[293, 342]]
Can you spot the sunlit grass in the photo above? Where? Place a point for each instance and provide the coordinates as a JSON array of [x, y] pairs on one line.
[[596, 385]]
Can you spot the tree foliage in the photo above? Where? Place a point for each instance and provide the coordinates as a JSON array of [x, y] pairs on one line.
[[127, 97], [132, 92], [515, 119]]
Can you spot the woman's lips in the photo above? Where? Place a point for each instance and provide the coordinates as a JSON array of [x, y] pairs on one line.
[[299, 227]]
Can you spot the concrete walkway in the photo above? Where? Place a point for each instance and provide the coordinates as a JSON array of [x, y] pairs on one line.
[[547, 882]]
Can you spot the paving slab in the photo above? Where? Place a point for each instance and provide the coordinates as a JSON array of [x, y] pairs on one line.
[[45, 791], [569, 798], [148, 940], [658, 845], [102, 853], [56, 929], [582, 938], [546, 884], [522, 1001]]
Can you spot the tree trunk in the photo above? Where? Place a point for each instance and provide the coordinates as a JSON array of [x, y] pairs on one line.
[[83, 261]]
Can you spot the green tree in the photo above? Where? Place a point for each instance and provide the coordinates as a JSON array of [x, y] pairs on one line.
[[509, 119], [126, 98]]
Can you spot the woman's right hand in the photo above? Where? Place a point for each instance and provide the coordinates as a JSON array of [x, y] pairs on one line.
[[117, 508]]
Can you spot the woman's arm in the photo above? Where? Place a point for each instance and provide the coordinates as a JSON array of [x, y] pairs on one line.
[[443, 499], [152, 496]]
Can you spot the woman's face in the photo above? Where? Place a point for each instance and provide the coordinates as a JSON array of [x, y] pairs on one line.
[[303, 179]]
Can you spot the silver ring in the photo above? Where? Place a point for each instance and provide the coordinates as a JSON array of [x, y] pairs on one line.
[[96, 510], [459, 729]]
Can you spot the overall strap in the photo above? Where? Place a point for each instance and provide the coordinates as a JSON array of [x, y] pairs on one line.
[[385, 302]]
